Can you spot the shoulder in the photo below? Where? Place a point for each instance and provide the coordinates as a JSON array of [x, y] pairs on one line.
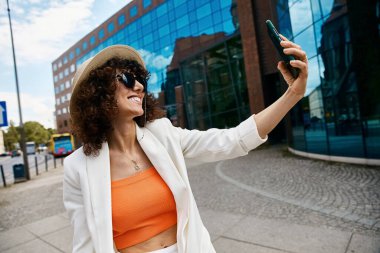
[[163, 128], [160, 125], [74, 161], [159, 122], [75, 156]]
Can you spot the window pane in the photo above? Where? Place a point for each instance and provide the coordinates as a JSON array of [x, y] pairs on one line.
[[110, 27], [203, 11], [164, 30], [146, 3], [307, 41], [101, 34], [300, 15], [161, 10], [183, 21], [133, 11], [92, 40], [121, 19]]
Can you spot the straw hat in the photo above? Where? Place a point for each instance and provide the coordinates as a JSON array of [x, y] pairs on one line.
[[121, 51]]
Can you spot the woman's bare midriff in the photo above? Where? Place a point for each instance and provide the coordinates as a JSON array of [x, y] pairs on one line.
[[160, 241]]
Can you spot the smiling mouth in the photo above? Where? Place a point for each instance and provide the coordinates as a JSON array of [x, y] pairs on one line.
[[134, 99]]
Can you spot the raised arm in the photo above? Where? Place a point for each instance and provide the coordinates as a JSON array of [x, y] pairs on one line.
[[267, 119]]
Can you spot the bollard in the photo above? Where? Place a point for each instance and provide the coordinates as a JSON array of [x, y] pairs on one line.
[[55, 165], [3, 176], [46, 163], [35, 161]]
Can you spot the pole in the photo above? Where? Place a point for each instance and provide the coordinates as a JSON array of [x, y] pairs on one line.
[[35, 161], [46, 163], [3, 176], [22, 132]]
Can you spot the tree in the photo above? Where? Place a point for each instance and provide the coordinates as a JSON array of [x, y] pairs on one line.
[[36, 132], [11, 137], [51, 132]]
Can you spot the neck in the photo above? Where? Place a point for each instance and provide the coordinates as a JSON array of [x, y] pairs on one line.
[[123, 137]]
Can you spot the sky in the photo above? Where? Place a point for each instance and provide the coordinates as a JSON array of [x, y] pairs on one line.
[[42, 31]]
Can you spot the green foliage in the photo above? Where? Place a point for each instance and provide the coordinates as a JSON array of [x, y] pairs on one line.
[[34, 131], [11, 137]]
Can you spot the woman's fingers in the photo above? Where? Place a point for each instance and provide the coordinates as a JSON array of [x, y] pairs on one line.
[[287, 43], [283, 37], [297, 52], [300, 65], [285, 72]]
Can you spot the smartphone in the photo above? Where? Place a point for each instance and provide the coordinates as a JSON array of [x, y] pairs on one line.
[[276, 39]]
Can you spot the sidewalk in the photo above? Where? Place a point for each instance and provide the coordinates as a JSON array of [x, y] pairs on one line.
[[230, 232]]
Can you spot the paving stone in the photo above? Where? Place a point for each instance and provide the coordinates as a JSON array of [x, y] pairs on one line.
[[289, 237], [14, 237], [364, 244], [224, 245], [35, 246], [61, 239], [48, 225], [218, 222]]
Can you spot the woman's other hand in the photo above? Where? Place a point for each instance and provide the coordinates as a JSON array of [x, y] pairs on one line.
[[296, 85]]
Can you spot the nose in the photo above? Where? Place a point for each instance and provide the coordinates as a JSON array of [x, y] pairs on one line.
[[138, 86]]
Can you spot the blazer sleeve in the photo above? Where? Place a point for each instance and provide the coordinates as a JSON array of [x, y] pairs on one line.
[[73, 202], [219, 144]]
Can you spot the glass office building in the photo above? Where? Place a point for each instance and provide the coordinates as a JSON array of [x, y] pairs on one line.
[[213, 65], [340, 114], [212, 71]]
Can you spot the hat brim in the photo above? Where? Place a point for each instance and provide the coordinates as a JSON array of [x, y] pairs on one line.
[[120, 51]]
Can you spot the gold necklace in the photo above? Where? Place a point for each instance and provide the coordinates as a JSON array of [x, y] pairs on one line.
[[135, 165]]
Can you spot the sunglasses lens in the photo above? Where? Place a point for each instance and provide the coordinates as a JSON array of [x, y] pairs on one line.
[[128, 80]]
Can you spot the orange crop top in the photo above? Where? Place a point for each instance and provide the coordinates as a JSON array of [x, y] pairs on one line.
[[142, 207]]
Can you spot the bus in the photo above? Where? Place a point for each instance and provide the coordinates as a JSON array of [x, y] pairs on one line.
[[61, 145], [30, 148]]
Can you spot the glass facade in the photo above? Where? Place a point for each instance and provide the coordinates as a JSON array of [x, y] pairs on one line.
[[340, 115], [215, 86], [171, 38]]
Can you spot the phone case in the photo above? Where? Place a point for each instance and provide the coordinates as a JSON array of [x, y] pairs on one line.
[[276, 39]]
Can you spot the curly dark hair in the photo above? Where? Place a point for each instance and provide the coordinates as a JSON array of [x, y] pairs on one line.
[[94, 105]]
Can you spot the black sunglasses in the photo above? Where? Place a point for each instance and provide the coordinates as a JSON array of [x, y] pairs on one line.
[[129, 80]]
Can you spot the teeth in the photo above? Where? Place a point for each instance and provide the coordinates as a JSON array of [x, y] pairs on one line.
[[135, 99]]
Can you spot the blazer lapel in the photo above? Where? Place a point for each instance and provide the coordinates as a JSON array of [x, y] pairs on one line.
[[99, 180]]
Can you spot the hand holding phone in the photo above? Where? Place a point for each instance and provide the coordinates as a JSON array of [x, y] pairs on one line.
[[276, 39]]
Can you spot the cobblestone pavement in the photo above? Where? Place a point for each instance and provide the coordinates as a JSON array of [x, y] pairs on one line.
[[269, 183], [273, 183], [24, 203]]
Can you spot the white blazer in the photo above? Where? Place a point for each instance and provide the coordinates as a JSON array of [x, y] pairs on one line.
[[87, 181]]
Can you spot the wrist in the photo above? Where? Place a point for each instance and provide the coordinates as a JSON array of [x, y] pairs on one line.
[[293, 94]]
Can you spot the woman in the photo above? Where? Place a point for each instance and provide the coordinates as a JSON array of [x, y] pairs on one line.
[[127, 188]]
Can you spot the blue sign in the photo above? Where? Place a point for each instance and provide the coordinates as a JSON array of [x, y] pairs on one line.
[[3, 114]]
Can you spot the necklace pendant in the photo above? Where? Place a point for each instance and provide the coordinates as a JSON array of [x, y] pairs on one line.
[[136, 166]]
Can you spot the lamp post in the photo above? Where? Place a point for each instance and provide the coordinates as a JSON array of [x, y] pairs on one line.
[[22, 132]]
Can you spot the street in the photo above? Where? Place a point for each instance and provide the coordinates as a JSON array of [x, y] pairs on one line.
[[269, 201], [8, 162]]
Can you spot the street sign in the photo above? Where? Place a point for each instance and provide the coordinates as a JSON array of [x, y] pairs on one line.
[[3, 114]]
